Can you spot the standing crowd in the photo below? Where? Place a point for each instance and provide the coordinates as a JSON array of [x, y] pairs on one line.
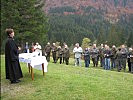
[[109, 58]]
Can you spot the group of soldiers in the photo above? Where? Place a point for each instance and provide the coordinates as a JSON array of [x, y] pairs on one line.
[[61, 53], [111, 58]]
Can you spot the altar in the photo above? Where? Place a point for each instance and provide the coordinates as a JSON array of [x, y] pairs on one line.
[[34, 62]]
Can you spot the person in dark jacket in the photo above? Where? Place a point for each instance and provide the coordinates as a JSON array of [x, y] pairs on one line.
[[54, 50], [12, 65], [113, 56], [131, 61], [86, 54], [107, 54], [47, 51], [66, 54], [128, 59], [59, 54]]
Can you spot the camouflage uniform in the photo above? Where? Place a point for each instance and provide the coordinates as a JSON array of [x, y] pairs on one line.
[[47, 51], [119, 59], [54, 49], [124, 57], [113, 58], [59, 54], [101, 54], [94, 56], [66, 55]]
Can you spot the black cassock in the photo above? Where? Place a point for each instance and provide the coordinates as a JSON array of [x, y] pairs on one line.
[[12, 65]]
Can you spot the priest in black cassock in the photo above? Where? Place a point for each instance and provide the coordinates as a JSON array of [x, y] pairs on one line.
[[12, 65]]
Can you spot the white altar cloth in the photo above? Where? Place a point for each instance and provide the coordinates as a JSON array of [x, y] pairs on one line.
[[34, 60]]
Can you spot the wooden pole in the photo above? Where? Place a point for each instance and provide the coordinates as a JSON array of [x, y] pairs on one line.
[[32, 75], [43, 69]]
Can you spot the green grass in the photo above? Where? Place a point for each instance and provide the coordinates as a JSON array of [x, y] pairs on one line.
[[64, 82]]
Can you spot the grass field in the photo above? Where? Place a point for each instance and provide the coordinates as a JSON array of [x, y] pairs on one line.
[[64, 82]]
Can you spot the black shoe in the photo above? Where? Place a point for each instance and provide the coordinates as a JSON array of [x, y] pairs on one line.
[[14, 82], [18, 80]]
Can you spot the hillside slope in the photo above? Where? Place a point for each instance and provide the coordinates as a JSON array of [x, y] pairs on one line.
[[117, 6]]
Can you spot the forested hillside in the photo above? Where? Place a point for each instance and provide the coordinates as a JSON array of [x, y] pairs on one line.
[[70, 25]]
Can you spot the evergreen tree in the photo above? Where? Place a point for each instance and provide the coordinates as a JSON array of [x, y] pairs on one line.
[[9, 19], [33, 22], [26, 18]]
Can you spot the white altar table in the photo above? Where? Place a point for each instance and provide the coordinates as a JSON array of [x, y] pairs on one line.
[[34, 61]]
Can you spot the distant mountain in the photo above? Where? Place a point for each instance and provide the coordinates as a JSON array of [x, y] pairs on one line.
[[109, 6], [101, 20]]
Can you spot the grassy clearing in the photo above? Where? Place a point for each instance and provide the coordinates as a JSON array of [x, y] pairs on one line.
[[64, 82]]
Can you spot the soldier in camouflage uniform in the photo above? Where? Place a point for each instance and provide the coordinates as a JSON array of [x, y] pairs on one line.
[[119, 59], [66, 54], [124, 56], [47, 51], [54, 50], [101, 54], [94, 55]]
